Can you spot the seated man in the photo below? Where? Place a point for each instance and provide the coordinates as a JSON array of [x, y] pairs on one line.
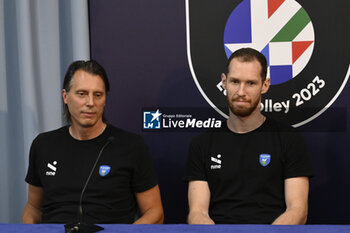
[[254, 169], [60, 162]]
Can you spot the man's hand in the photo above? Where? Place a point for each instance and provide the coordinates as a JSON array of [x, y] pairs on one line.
[[198, 201], [32, 210], [150, 206], [296, 196]]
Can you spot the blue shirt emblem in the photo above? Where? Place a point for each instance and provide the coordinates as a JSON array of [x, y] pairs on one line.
[[104, 170], [264, 159]]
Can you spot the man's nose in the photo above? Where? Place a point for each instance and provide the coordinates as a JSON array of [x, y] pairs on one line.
[[90, 100], [241, 90]]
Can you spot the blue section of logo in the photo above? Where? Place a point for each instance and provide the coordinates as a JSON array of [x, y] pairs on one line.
[[266, 53], [228, 52], [281, 74], [104, 170], [238, 26], [264, 159], [152, 119]]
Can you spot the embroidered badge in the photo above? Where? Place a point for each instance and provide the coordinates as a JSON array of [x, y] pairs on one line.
[[264, 159], [104, 170]]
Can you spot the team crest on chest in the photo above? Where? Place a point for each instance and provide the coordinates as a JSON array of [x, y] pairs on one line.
[[264, 159], [104, 170]]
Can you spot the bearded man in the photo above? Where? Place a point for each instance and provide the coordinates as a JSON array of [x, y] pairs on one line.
[[254, 169]]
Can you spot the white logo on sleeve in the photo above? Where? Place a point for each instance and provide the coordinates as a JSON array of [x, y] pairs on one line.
[[216, 162], [53, 168]]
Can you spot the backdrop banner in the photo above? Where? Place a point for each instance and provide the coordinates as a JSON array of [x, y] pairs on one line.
[[164, 60]]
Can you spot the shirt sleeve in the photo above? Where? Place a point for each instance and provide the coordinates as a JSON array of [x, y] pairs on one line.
[[297, 162], [33, 177], [195, 167], [144, 176]]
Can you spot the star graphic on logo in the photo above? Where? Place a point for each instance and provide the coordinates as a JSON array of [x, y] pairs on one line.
[[156, 115]]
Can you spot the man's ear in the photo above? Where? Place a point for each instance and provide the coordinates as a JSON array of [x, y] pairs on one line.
[[64, 95], [223, 80], [265, 86]]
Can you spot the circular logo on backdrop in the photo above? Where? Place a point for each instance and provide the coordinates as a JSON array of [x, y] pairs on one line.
[[307, 72], [282, 32]]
